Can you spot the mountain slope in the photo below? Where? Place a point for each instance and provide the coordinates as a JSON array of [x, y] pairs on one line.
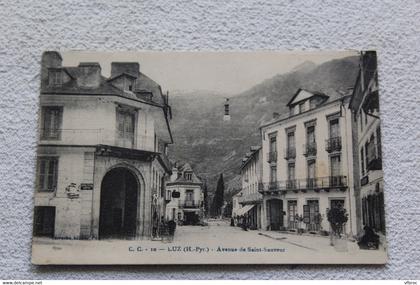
[[213, 146]]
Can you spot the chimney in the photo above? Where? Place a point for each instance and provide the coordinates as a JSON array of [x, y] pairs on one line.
[[49, 59], [276, 115], [174, 175], [132, 68], [89, 75]]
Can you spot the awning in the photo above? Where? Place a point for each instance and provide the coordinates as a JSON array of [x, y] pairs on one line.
[[244, 209]]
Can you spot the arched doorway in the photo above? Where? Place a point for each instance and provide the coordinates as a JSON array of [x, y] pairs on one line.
[[275, 210], [119, 200]]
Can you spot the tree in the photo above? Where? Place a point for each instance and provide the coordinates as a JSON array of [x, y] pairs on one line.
[[218, 198], [206, 197], [337, 217]]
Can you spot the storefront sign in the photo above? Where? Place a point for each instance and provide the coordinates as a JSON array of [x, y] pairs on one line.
[[86, 186]]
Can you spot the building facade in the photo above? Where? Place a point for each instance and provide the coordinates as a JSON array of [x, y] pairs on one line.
[[102, 164], [367, 146], [184, 192], [307, 164], [249, 200]]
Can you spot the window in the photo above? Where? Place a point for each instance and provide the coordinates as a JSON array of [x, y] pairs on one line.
[[334, 128], [311, 174], [51, 122], [273, 144], [47, 171], [273, 173], [291, 140], [310, 149], [310, 134], [55, 77], [291, 171], [188, 176], [367, 154], [312, 104], [125, 128], [335, 165], [378, 142], [302, 107], [362, 160], [361, 120]]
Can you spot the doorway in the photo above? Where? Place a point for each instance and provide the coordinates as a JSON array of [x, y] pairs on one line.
[[44, 221], [119, 200], [276, 214]]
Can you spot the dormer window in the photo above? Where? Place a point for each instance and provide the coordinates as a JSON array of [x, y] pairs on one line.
[[55, 77], [302, 107], [188, 176]]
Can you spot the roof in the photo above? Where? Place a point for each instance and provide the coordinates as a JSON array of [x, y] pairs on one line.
[[186, 167], [105, 87], [250, 155], [333, 95], [303, 94]]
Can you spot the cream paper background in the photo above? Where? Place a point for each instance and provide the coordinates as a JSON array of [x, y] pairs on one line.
[[391, 27]]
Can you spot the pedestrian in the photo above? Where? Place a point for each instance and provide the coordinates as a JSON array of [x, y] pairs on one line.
[[171, 229], [232, 222], [244, 223]]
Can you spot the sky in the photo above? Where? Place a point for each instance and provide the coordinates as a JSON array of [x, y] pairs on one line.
[[228, 73]]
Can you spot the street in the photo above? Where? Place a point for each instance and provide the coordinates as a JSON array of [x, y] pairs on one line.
[[214, 244]]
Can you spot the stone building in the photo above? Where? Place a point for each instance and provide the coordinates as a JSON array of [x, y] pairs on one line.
[[367, 147], [185, 194], [102, 164], [307, 163], [249, 199]]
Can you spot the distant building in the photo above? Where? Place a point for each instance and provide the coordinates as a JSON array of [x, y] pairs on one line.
[[184, 193], [367, 145], [102, 147], [307, 164], [249, 199]]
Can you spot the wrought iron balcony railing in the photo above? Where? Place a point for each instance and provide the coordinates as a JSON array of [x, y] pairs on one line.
[[95, 137], [333, 144], [272, 156], [309, 149], [290, 153], [316, 184]]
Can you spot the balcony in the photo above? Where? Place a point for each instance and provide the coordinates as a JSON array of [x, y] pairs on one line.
[[309, 149], [333, 144], [190, 204], [272, 156], [290, 153], [315, 184], [91, 137]]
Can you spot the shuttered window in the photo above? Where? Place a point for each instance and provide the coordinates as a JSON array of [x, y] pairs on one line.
[[47, 174], [51, 122], [125, 128]]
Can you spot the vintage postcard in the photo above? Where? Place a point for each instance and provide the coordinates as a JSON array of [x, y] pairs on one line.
[[209, 158]]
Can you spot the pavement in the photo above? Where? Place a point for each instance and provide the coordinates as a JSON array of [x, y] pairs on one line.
[[216, 243]]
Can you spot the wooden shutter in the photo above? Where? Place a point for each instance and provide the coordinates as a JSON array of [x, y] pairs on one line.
[[306, 214]]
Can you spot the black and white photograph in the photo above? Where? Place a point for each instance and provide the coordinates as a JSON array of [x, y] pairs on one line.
[[258, 157]]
